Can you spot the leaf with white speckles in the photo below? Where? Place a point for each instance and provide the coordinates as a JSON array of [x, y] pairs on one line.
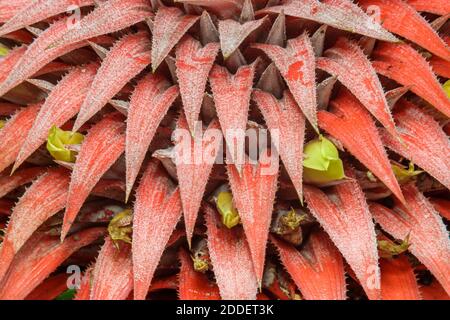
[[424, 141], [351, 124], [194, 161], [296, 63], [102, 146], [429, 240], [349, 64], [169, 27], [400, 18], [284, 118], [112, 278], [129, 56], [231, 259], [61, 105], [317, 269], [153, 97], [341, 14], [156, 213], [254, 195], [338, 211], [400, 62], [9, 182], [194, 63], [46, 197]]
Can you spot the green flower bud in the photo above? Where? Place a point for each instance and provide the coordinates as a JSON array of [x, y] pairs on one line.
[[322, 163]]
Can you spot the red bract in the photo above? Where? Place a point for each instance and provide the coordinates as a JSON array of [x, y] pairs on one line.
[[398, 281]]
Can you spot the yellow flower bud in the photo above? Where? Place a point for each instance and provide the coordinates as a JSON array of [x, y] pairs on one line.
[[57, 142], [230, 216]]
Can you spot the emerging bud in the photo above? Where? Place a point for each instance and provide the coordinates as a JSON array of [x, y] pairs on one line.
[[120, 227], [446, 88], [57, 143], [3, 50], [200, 256], [287, 225], [388, 249], [2, 123], [230, 215], [404, 175], [322, 164]]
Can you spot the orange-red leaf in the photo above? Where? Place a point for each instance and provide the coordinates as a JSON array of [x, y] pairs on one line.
[[429, 240], [9, 182], [285, 121], [129, 56], [231, 259], [60, 106], [341, 14], [113, 272], [398, 281], [194, 285], [345, 216], [14, 132], [402, 63], [352, 125], [232, 98], [440, 7], [156, 213], [50, 288], [194, 159], [43, 199], [103, 145], [194, 63], [349, 64], [169, 27], [400, 18], [254, 195], [424, 141], [38, 259], [152, 97], [297, 65], [318, 269]]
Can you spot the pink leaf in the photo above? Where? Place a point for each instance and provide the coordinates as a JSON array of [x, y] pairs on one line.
[[125, 60], [232, 98], [109, 16], [193, 66], [297, 65], [113, 272], [9, 9], [284, 118], [223, 8], [352, 125], [254, 195], [231, 259], [169, 27], [156, 213], [341, 14], [428, 235], [9, 182], [194, 159], [14, 132], [424, 141], [60, 106], [38, 259], [46, 197], [36, 11], [153, 97], [349, 64], [103, 145], [402, 63], [338, 211], [318, 269], [233, 33]]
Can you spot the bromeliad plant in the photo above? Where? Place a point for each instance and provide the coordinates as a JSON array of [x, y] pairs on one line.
[[117, 124]]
